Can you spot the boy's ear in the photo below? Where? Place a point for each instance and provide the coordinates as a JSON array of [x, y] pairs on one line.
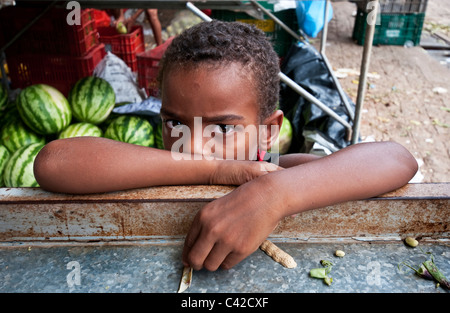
[[269, 133]]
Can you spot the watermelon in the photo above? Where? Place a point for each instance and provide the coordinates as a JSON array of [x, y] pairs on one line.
[[10, 106], [3, 98], [4, 157], [131, 129], [284, 138], [111, 117], [10, 114], [44, 109], [18, 170], [81, 129], [15, 134], [92, 100], [158, 137]]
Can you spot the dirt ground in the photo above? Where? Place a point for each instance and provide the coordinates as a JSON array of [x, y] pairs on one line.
[[407, 98]]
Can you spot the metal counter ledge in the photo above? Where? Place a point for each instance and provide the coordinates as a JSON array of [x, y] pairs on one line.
[[131, 241]]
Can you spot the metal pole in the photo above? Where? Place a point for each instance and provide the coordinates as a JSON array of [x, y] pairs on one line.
[[323, 38], [198, 12], [278, 21], [341, 92], [323, 43], [297, 88], [322, 52], [364, 68]]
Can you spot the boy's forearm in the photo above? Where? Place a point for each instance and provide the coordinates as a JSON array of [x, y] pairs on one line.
[[357, 172], [291, 160], [92, 165]]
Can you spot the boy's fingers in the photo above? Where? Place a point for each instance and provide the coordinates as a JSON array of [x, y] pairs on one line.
[[196, 250], [189, 241], [216, 257], [231, 260], [198, 254]]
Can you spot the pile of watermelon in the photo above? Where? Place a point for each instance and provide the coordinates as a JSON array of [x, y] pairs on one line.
[[41, 113]]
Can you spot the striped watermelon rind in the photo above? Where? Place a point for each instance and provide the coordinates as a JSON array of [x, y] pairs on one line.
[[158, 137], [18, 170], [10, 110], [131, 129], [3, 98], [92, 99], [15, 134], [44, 109], [283, 142], [4, 157], [81, 129]]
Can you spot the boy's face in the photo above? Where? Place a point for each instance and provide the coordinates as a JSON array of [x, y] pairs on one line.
[[210, 112]]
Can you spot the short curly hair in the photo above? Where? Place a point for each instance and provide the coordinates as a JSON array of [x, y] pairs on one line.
[[219, 43]]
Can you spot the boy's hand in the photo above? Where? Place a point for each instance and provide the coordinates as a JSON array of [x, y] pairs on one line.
[[229, 229], [231, 172]]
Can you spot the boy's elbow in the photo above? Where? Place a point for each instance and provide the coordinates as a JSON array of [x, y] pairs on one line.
[[46, 165], [412, 166], [406, 162]]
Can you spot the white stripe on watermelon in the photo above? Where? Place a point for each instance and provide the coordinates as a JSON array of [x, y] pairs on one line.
[[44, 109], [81, 129], [18, 171]]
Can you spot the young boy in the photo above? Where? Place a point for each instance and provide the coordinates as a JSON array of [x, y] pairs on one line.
[[222, 77]]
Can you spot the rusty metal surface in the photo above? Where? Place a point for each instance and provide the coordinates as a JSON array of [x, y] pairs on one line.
[[420, 191], [188, 193], [180, 193], [371, 218], [28, 214]]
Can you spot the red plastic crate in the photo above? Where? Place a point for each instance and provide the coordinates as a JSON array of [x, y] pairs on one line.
[[101, 18], [148, 67], [59, 71], [50, 34], [125, 46]]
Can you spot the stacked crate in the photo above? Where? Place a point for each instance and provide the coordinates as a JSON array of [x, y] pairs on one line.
[[399, 22], [280, 39], [51, 51], [125, 46], [148, 68]]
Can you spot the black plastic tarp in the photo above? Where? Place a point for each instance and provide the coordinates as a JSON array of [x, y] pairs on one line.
[[305, 65]]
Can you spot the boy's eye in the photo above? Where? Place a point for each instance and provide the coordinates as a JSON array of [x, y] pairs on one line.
[[224, 129], [173, 123]]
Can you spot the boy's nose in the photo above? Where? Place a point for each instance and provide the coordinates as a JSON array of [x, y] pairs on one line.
[[196, 145]]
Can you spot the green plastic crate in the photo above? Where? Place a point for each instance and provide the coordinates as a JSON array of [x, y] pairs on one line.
[[396, 6], [391, 29], [280, 39]]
